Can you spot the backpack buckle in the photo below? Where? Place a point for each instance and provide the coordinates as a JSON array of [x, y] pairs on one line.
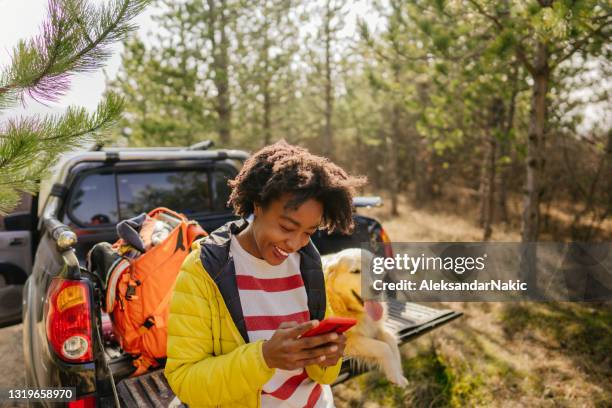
[[150, 322], [146, 325], [130, 292]]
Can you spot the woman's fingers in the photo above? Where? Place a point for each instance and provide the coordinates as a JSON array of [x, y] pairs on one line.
[[315, 341], [287, 325], [314, 353], [296, 331], [308, 361], [331, 358]]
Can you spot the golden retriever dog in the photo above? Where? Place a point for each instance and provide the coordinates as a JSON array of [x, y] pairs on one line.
[[369, 341]]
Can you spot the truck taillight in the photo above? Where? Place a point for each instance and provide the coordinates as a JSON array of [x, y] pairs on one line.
[[69, 320], [387, 247]]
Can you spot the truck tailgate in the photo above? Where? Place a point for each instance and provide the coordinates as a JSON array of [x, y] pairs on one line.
[[408, 320]]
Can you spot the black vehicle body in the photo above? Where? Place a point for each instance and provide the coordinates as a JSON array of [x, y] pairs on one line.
[[64, 241]]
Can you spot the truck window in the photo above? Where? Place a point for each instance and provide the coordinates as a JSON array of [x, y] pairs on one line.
[[94, 201], [222, 191], [186, 192]]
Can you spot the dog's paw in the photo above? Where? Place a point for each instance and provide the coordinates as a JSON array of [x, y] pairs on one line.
[[399, 380]]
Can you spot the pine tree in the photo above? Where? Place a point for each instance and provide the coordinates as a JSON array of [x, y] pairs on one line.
[[324, 79], [179, 90], [164, 101], [268, 44], [388, 76], [75, 38], [543, 35]]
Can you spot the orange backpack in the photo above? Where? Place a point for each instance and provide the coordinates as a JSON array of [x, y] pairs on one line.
[[139, 286]]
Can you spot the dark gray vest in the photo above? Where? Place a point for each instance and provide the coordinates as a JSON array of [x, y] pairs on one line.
[[219, 264]]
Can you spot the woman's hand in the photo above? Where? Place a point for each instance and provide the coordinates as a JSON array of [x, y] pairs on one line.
[[287, 351], [331, 359]]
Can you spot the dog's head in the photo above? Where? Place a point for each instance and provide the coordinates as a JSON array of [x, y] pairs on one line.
[[343, 283]]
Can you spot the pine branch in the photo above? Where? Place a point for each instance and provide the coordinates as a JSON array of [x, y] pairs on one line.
[[28, 146], [520, 50], [74, 39]]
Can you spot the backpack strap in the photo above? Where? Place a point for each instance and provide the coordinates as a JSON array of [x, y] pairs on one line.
[[142, 364], [155, 211], [194, 232], [156, 318], [113, 279]]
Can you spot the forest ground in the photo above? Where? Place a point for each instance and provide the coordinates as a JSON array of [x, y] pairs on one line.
[[497, 354]]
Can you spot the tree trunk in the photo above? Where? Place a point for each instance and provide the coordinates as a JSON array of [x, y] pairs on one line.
[[190, 87], [423, 182], [267, 99], [359, 167], [502, 182], [225, 110], [504, 152], [218, 18], [392, 146], [535, 140], [535, 144], [489, 168], [328, 143], [482, 187], [488, 188], [267, 111]]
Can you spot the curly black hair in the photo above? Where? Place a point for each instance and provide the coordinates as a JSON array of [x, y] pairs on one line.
[[283, 168]]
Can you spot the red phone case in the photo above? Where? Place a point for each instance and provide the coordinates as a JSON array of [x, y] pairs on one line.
[[331, 324]]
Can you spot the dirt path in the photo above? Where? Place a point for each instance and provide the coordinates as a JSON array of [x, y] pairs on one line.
[[11, 355]]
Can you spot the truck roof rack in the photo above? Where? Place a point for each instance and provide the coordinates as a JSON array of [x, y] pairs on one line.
[[203, 145]]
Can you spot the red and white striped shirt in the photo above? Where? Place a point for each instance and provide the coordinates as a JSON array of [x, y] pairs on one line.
[[270, 295]]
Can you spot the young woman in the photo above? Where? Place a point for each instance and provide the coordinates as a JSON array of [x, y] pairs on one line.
[[247, 292]]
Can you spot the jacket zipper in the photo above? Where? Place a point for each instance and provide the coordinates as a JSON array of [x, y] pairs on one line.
[[237, 336]]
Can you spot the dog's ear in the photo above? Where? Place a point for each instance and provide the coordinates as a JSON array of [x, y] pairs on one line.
[[330, 268], [336, 302], [330, 265]]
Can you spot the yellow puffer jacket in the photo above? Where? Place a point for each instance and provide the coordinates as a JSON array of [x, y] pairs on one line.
[[209, 364]]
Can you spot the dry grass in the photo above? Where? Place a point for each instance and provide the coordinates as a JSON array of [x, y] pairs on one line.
[[439, 222], [497, 354]]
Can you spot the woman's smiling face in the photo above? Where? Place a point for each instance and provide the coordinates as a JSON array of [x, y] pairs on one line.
[[278, 231]]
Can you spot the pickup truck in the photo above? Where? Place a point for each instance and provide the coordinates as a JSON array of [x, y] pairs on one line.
[[80, 206]]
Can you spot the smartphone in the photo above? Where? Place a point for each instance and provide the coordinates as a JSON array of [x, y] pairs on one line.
[[331, 324]]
